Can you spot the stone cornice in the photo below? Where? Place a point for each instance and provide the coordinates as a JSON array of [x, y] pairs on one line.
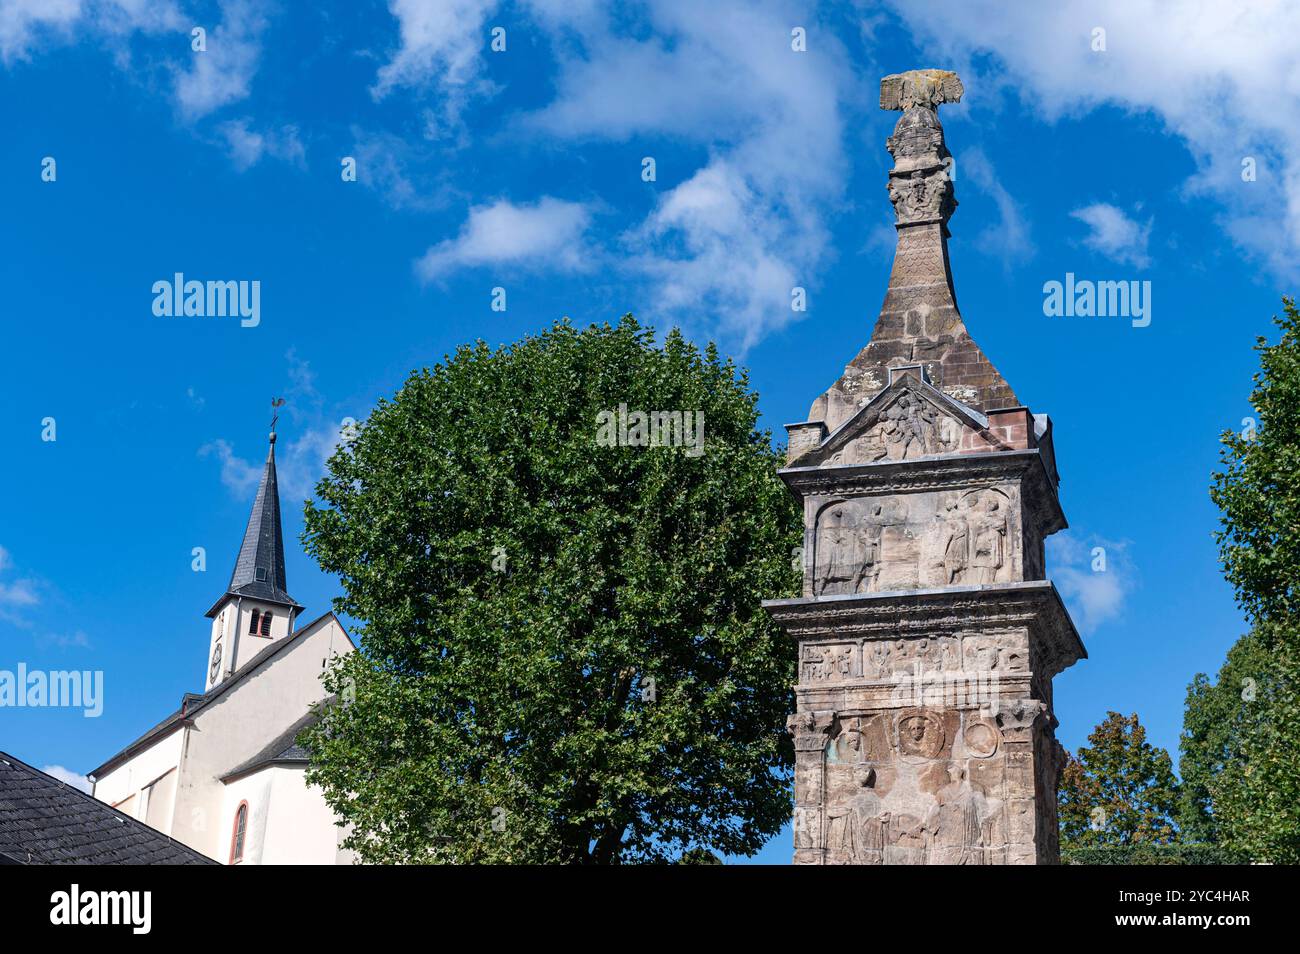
[[936, 612], [947, 472]]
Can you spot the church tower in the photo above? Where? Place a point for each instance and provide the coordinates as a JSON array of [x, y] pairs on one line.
[[256, 608], [928, 636]]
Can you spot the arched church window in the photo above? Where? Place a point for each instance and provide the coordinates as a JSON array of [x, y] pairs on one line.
[[252, 624], [266, 624], [237, 836]]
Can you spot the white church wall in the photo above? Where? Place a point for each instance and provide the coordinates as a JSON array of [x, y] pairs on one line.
[[241, 723], [130, 779], [301, 827], [255, 790]]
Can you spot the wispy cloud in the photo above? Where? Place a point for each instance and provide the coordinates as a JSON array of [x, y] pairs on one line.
[[237, 475], [1219, 75], [1113, 234], [546, 234], [17, 594], [28, 26], [1095, 576], [440, 46], [68, 777], [750, 222], [394, 168], [223, 73], [247, 146], [300, 451], [74, 640], [1008, 238]]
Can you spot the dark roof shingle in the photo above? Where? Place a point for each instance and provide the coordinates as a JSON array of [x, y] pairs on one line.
[[283, 749], [46, 822]]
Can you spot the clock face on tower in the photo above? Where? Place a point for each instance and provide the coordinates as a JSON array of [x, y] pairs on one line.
[[216, 663]]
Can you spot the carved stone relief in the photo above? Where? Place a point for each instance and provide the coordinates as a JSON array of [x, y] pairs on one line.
[[910, 427], [906, 541], [931, 790]]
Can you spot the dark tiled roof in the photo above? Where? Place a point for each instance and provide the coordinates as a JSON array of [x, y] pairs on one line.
[[45, 822], [193, 702], [282, 750], [259, 569]]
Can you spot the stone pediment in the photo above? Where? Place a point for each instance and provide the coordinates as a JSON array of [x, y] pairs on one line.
[[907, 420]]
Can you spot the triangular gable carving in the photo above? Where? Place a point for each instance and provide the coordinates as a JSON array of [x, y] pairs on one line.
[[908, 419]]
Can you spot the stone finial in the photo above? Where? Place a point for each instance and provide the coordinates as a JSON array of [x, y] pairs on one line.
[[920, 186], [928, 88]]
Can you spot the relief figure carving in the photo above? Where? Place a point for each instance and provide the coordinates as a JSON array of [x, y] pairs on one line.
[[989, 548], [856, 828]]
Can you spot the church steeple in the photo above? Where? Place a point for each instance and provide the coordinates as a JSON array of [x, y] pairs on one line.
[[259, 569], [256, 607]]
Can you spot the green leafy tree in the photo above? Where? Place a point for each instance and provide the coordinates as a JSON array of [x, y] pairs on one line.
[[564, 658], [1119, 791], [1258, 489], [1240, 757]]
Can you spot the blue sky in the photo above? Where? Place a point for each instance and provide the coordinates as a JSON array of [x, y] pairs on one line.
[[522, 169]]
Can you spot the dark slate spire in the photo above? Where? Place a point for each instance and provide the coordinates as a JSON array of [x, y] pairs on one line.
[[259, 570]]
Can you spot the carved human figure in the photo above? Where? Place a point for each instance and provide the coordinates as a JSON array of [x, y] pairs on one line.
[[855, 829], [839, 557], [988, 552], [910, 428], [954, 540], [872, 529], [907, 840], [806, 828], [958, 821]]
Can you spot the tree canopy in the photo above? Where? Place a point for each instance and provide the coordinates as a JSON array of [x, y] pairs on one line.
[[1241, 733], [1119, 790], [564, 657]]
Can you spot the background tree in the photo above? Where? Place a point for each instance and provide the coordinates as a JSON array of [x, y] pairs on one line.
[[1258, 489], [1241, 735], [1119, 791], [564, 654]]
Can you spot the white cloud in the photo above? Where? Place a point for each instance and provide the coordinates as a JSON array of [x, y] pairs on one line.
[[301, 449], [18, 593], [23, 22], [742, 228], [1094, 576], [27, 25], [77, 639], [547, 234], [15, 594], [734, 238], [440, 46], [1115, 235], [1222, 75], [238, 475], [224, 72], [390, 166], [68, 777], [247, 146], [1008, 238], [299, 462]]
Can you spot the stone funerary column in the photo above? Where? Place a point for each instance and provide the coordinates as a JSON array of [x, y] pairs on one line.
[[928, 635]]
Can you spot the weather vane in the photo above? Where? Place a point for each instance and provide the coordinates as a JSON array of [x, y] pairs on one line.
[[276, 404]]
